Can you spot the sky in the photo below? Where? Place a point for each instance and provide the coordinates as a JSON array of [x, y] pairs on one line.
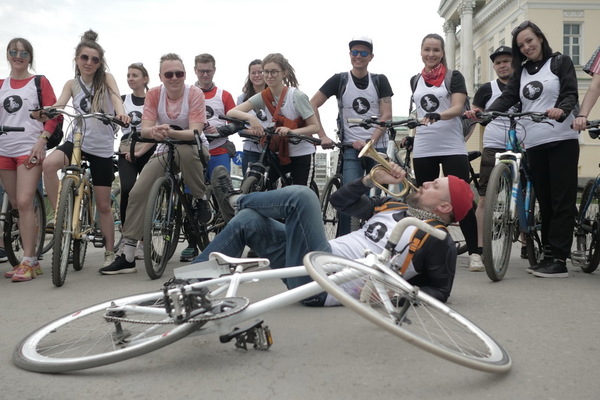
[[312, 34]]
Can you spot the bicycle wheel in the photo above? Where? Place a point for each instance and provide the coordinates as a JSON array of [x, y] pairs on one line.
[[250, 184], [13, 244], [314, 187], [63, 232], [587, 232], [331, 216], [161, 232], [533, 241], [87, 338], [87, 225], [498, 226], [407, 312]]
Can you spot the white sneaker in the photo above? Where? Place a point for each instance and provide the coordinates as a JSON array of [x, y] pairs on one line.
[[109, 258], [139, 251], [476, 263]]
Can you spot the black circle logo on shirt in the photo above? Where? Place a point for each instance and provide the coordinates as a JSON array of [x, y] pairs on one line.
[[429, 103], [209, 112], [85, 105], [12, 104], [136, 118], [261, 115], [533, 90], [361, 105], [376, 231]]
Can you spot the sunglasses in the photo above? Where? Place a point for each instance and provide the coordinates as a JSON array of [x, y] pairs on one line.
[[86, 58], [272, 72], [15, 53], [177, 74], [363, 53], [522, 26], [205, 71]]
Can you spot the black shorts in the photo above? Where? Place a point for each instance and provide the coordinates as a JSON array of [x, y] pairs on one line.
[[488, 161], [102, 169]]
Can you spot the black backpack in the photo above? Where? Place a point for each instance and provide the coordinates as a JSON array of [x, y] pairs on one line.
[[57, 136], [467, 125]]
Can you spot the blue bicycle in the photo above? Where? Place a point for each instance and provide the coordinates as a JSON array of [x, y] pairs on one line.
[[510, 212]]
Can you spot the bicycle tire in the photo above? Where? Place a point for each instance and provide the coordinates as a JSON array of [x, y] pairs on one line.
[[533, 241], [427, 323], [160, 236], [498, 226], [63, 232], [587, 233], [87, 225], [50, 348], [314, 187], [250, 184], [13, 244], [331, 216]]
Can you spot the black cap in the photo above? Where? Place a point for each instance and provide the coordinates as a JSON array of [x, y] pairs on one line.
[[501, 50], [364, 40]]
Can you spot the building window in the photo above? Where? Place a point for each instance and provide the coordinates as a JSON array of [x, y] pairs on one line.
[[572, 42], [478, 72]]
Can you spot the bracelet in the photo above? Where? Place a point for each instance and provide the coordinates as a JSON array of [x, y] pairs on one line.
[[44, 137], [582, 116]]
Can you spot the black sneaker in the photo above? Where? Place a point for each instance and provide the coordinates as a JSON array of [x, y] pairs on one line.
[[223, 188], [119, 266], [188, 254], [203, 211], [554, 269], [541, 264], [3, 257]]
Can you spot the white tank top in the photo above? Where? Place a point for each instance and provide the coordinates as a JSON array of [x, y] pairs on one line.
[[494, 136], [539, 92], [214, 108], [135, 113], [359, 103], [98, 138], [443, 138], [16, 104]]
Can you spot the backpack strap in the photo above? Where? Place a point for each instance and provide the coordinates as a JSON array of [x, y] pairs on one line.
[[38, 86], [417, 241], [413, 87]]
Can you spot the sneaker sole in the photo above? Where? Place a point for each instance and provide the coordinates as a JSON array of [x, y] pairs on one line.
[[121, 271], [557, 275]]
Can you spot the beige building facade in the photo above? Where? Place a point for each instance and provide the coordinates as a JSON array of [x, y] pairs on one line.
[[473, 28]]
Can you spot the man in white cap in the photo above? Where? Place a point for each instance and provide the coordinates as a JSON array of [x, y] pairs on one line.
[[360, 94]]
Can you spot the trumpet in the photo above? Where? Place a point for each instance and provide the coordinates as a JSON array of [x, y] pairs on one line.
[[369, 151]]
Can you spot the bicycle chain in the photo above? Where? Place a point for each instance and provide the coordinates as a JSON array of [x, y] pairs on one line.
[[213, 317]]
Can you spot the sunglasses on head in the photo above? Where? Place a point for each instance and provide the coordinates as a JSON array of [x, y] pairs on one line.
[[522, 26], [15, 53], [86, 58], [177, 74], [363, 53]]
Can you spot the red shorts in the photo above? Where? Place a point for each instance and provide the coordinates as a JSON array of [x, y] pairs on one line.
[[11, 163]]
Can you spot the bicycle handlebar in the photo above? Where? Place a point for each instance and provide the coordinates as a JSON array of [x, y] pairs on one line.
[[105, 118], [5, 129], [488, 116], [367, 123]]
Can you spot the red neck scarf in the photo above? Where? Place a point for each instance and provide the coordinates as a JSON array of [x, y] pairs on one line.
[[436, 76]]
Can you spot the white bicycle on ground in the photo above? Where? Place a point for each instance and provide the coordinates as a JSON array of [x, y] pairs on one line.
[[123, 328]]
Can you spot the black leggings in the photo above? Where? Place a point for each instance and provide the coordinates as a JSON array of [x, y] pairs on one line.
[[428, 169], [128, 173], [554, 178]]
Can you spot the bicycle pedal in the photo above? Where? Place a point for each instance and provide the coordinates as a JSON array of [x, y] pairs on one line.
[[257, 334]]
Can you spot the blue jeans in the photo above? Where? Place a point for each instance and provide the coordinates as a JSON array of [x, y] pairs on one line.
[[247, 158], [284, 244], [354, 168]]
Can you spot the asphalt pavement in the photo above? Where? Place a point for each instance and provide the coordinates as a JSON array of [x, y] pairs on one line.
[[548, 326]]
